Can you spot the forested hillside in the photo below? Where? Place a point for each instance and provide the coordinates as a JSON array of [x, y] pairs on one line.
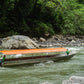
[[40, 17]]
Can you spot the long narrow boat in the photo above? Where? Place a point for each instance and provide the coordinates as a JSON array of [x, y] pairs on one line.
[[30, 56]]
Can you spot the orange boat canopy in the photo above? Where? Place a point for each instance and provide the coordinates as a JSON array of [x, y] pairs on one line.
[[27, 51]]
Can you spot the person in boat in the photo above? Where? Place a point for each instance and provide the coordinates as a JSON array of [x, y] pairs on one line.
[[2, 60], [67, 52]]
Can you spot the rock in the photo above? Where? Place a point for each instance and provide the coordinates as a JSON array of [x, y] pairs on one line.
[[68, 82], [80, 37], [74, 80], [46, 83], [51, 40], [73, 41], [77, 79], [59, 36], [82, 44], [18, 42], [42, 39], [69, 38], [35, 40], [55, 37], [47, 35]]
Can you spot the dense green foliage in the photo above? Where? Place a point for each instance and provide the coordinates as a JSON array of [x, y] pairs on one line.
[[40, 17]]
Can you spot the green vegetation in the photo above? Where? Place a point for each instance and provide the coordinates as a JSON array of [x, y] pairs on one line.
[[40, 17]]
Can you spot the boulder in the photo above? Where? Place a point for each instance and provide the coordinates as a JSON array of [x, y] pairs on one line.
[[77, 79], [80, 37], [69, 38], [74, 80], [82, 44], [35, 40], [46, 83], [42, 39], [18, 42], [73, 41]]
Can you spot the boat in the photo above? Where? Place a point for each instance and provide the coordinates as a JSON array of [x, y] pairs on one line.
[[31, 56]]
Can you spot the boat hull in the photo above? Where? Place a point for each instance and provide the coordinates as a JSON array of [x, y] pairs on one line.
[[36, 59]]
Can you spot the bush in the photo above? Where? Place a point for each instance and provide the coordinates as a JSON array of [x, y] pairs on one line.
[[42, 29]]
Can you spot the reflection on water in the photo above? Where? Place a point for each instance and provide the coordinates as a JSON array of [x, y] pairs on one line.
[[52, 72]]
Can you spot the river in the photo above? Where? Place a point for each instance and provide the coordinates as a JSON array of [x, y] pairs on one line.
[[53, 72]]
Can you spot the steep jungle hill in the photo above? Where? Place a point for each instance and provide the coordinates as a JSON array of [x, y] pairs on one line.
[[40, 17]]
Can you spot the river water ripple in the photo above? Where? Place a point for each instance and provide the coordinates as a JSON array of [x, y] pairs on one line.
[[53, 72]]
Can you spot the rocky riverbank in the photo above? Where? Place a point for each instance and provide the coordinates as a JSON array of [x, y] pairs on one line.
[[59, 40], [24, 42]]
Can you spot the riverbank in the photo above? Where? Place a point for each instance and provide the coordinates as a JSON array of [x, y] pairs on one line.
[[59, 40], [24, 42]]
